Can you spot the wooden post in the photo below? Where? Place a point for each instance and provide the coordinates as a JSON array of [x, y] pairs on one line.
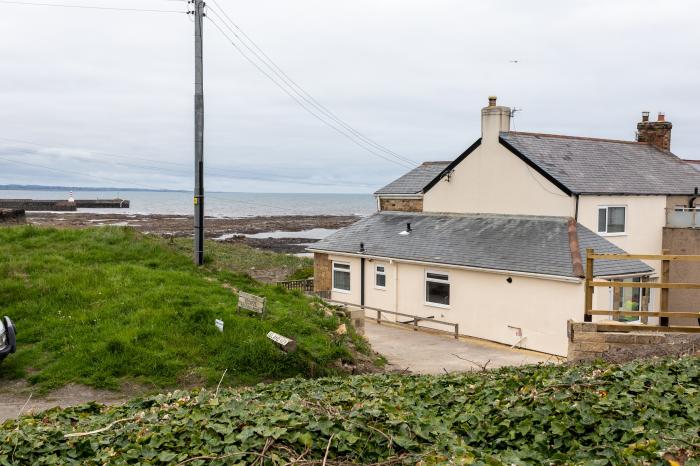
[[589, 289], [379, 317], [415, 324], [456, 331], [665, 278]]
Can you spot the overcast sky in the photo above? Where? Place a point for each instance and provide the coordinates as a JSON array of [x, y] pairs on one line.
[[411, 75]]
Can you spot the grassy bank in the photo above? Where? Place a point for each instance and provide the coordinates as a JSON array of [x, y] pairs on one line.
[[240, 258], [105, 306], [644, 413]]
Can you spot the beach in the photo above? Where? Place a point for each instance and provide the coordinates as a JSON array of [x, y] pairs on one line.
[[281, 233]]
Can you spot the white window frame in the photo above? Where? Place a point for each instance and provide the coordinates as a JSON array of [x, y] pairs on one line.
[[607, 214], [377, 273], [436, 280], [349, 272]]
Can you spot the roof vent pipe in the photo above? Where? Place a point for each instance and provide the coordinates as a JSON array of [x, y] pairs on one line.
[[362, 247], [408, 227]]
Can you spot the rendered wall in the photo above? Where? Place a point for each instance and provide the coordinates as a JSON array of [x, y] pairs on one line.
[[484, 305], [494, 180]]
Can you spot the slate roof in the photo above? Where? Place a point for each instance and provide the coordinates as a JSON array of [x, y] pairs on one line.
[[693, 163], [602, 166], [500, 242], [414, 181]]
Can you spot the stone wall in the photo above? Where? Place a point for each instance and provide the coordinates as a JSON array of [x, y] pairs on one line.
[[683, 241], [12, 217], [322, 272], [401, 205], [586, 343]]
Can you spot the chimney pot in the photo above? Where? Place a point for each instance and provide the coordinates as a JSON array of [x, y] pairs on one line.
[[662, 116], [645, 116], [492, 101]]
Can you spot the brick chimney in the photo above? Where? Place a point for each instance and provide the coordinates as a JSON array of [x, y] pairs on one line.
[[494, 119], [657, 133]]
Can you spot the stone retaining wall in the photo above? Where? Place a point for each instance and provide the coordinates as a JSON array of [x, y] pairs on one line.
[[12, 217], [586, 343]]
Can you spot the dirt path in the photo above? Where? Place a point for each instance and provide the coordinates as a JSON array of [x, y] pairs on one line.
[[17, 397]]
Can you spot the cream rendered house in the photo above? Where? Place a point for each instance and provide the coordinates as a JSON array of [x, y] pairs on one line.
[[495, 239]]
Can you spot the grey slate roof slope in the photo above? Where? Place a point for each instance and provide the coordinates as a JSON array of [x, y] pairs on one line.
[[500, 242], [601, 166], [414, 181]]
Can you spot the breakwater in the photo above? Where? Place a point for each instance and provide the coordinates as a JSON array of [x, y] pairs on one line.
[[62, 205]]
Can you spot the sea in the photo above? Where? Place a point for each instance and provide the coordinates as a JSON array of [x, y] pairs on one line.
[[224, 205]]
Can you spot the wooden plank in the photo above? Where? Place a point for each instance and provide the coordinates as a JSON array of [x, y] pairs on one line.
[[652, 257], [287, 344], [589, 289], [665, 278], [645, 313], [645, 328], [687, 286], [250, 302]]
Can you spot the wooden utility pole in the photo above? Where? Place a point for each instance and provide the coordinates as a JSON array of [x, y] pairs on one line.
[[198, 135]]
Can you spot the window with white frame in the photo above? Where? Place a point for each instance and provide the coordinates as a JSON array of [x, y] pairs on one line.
[[380, 277], [612, 219], [437, 288], [341, 277]]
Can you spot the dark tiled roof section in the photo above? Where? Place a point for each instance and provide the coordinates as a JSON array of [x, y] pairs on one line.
[[501, 242], [603, 166], [414, 181]]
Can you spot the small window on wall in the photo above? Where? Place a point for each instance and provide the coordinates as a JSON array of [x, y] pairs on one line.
[[437, 289], [380, 277], [341, 277], [611, 219]]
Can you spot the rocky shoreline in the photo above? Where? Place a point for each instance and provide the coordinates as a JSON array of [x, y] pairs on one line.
[[234, 229]]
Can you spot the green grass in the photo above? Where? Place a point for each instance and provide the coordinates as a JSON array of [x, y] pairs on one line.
[[240, 258], [106, 306], [640, 413]]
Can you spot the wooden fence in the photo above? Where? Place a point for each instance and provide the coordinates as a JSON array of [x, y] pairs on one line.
[[664, 313], [413, 321], [303, 285]]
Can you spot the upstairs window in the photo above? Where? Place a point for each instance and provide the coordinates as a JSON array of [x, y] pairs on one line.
[[380, 277], [611, 219], [437, 289], [341, 277]]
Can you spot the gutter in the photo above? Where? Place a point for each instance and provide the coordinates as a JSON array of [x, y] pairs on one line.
[[398, 196], [559, 278]]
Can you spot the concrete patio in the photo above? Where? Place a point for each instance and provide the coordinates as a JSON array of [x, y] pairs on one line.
[[426, 352]]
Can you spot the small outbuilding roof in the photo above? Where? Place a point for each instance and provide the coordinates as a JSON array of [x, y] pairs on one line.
[[604, 166], [414, 181], [529, 244]]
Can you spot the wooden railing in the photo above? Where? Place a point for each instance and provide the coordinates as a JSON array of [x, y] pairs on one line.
[[304, 285], [414, 319], [664, 313]]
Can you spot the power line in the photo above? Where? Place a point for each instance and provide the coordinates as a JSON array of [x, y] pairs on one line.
[[90, 7], [342, 132], [295, 87]]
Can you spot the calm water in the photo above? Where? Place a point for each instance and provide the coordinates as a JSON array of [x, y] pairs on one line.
[[218, 204]]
